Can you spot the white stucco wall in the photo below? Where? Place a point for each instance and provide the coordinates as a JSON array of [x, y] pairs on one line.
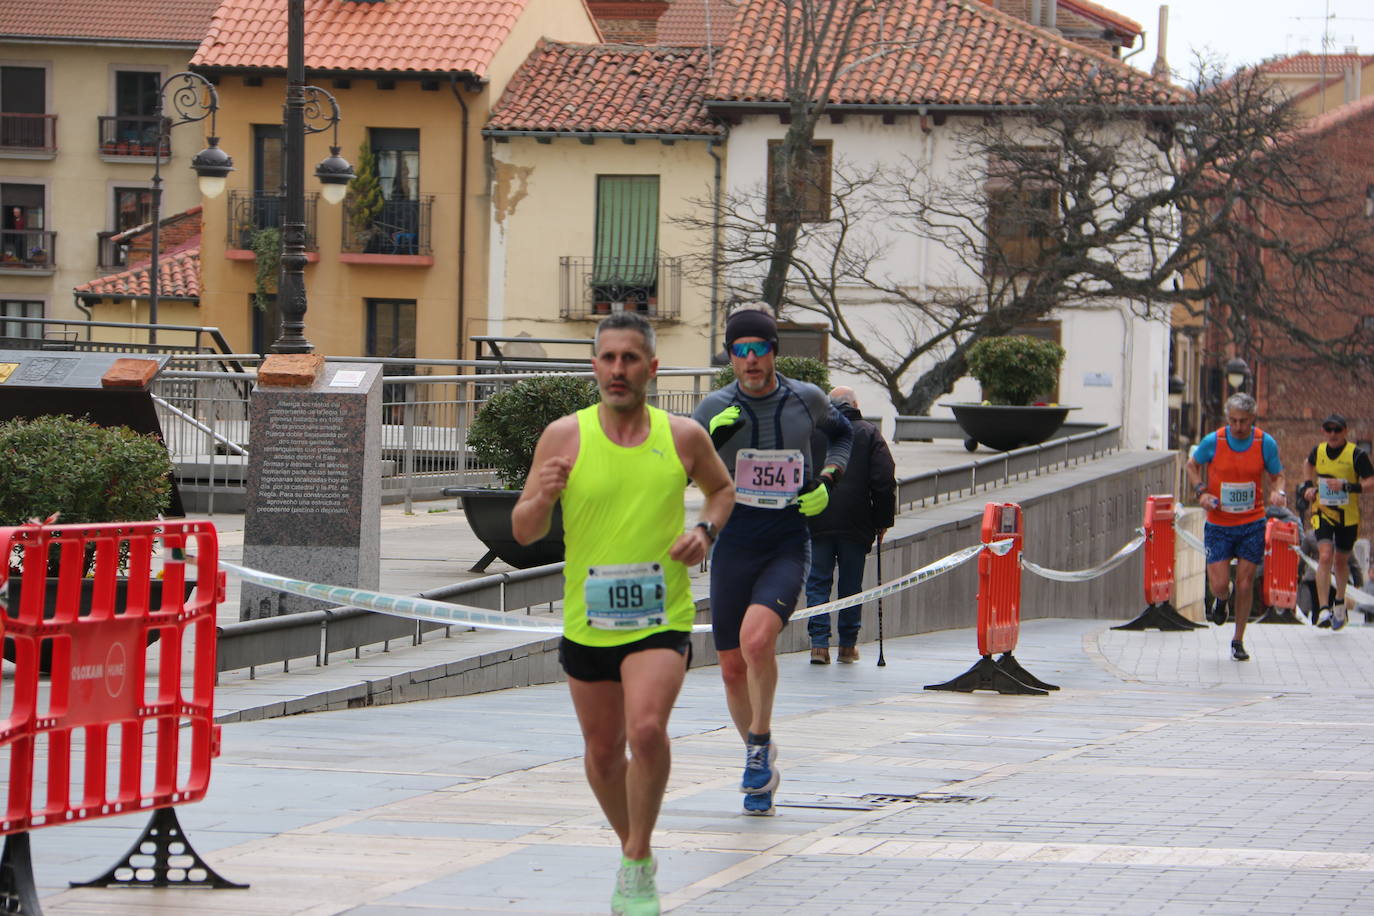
[[1116, 366]]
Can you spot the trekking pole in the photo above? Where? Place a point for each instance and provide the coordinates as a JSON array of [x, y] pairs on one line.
[[882, 662]]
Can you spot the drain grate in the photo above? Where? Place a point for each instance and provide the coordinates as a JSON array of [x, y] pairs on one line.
[[875, 800], [927, 798]]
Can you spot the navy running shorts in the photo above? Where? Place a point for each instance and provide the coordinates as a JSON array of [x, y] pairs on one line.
[[602, 663], [1245, 542], [770, 574]]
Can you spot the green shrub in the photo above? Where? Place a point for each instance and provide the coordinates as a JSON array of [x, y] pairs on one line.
[[266, 245], [86, 472], [507, 428], [801, 368], [1015, 370]]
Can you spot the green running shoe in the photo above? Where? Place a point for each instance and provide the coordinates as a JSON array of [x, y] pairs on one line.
[[635, 891]]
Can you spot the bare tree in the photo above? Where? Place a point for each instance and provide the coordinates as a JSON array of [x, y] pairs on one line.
[[1085, 198]]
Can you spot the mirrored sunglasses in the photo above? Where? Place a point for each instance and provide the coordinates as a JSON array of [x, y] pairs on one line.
[[756, 347]]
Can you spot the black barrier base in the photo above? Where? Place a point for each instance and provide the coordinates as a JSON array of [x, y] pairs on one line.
[[1011, 666], [1161, 617], [18, 894], [987, 674], [161, 857], [1279, 615]]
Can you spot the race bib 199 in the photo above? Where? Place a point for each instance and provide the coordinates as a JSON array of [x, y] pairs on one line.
[[626, 597], [1331, 492], [1237, 497], [769, 478]]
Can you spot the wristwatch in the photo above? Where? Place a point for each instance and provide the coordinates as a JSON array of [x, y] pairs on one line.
[[710, 529]]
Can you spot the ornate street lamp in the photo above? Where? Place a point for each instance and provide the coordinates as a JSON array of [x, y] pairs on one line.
[[193, 99], [305, 107], [1236, 373]]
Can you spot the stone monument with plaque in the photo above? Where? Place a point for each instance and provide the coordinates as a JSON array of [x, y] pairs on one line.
[[314, 479]]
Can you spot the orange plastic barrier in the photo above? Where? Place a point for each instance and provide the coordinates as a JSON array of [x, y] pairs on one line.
[[999, 581], [1159, 549], [84, 755], [1280, 564]]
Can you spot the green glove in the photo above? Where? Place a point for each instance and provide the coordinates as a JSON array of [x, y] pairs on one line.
[[721, 425], [814, 501]]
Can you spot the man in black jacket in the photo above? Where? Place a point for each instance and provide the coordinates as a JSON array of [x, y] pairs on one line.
[[862, 504]]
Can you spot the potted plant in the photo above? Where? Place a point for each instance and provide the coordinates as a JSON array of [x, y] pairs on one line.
[[503, 436], [1017, 374], [266, 246], [365, 200], [85, 472]]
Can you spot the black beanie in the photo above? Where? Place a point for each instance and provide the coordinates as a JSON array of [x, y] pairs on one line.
[[750, 323]]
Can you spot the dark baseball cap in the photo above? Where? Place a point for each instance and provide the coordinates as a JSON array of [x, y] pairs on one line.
[[1334, 420]]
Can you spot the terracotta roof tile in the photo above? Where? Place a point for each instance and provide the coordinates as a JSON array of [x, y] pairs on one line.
[[686, 21], [971, 54], [135, 21], [607, 89], [434, 36], [1311, 64], [1337, 116], [179, 270]]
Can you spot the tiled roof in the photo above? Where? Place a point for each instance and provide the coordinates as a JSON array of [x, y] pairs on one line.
[[967, 54], [135, 21], [685, 22], [1337, 116], [425, 36], [1119, 23], [179, 270], [607, 89], [1311, 64]]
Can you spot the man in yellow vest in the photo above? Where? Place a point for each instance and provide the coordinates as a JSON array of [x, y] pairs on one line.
[[620, 469], [1337, 472]]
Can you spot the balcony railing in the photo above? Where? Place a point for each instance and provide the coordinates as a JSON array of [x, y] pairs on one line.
[[109, 252], [28, 249], [132, 135], [593, 287], [402, 227], [30, 133], [250, 211]]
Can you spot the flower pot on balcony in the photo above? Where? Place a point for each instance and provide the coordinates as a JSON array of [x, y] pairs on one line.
[[488, 514], [1003, 427]]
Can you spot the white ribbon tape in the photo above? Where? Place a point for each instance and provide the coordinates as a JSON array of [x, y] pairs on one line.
[[463, 615], [1360, 595], [1083, 575]]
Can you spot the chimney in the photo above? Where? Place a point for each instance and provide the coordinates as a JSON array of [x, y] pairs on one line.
[[1352, 82], [633, 22], [1160, 70]]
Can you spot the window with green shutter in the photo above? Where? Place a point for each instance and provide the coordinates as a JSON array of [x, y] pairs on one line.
[[625, 262]]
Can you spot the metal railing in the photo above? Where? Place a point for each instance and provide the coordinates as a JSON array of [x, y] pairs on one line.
[[29, 133], [250, 211], [592, 287], [401, 227], [75, 334], [28, 249], [133, 135]]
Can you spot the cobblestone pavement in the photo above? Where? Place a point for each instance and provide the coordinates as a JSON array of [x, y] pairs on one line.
[[1161, 778]]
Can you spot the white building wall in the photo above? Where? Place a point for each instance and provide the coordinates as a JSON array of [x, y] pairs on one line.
[[1115, 370]]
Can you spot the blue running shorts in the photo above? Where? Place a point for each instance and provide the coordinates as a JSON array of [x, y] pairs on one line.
[[771, 574], [1245, 542]]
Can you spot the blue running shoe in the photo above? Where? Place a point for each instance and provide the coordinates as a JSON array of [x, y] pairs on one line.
[[759, 773], [1337, 616], [759, 804]]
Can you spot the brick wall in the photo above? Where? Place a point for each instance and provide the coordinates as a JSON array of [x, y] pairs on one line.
[[175, 231]]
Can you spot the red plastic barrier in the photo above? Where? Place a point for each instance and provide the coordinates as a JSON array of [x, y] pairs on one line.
[[1159, 549], [83, 755], [999, 581], [1280, 564]]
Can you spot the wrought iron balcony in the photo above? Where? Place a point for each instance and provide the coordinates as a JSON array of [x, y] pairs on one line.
[[29, 133], [250, 211], [400, 227], [594, 287], [132, 135], [28, 249]]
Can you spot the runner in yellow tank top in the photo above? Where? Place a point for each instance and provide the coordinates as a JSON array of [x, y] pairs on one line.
[[1337, 472], [620, 469]]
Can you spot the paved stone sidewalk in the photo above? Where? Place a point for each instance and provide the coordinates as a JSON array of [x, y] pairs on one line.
[[1161, 778]]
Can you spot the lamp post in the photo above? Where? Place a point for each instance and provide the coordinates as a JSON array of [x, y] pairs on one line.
[[194, 99], [304, 105], [1236, 374]]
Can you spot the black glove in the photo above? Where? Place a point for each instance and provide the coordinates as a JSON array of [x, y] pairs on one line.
[[1354, 486]]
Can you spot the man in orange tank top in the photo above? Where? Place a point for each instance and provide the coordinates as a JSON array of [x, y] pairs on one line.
[[1242, 463]]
